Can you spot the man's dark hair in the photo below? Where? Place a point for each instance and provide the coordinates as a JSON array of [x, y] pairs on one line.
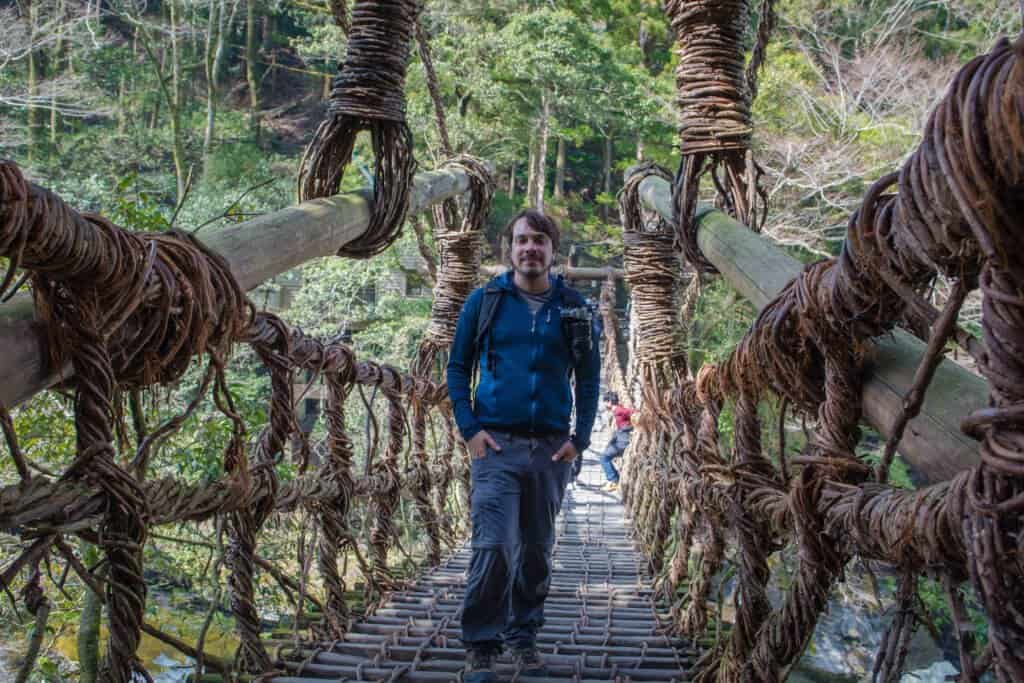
[[537, 220], [612, 397]]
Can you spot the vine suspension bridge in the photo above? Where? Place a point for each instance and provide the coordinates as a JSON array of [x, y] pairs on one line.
[[114, 314]]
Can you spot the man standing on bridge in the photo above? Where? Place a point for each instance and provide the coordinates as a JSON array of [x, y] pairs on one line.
[[529, 333]]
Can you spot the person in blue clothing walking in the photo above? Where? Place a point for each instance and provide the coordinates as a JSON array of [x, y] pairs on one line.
[[529, 334]]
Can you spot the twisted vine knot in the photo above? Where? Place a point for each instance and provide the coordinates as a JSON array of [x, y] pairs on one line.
[[713, 100], [368, 94]]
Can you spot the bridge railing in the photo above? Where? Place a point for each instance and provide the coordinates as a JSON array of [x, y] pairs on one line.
[[255, 250], [122, 312], [705, 491], [933, 444]]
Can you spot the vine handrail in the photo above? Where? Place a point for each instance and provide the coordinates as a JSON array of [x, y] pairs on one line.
[[255, 250], [758, 270]]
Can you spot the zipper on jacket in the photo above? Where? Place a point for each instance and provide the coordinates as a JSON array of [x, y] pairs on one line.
[[533, 368]]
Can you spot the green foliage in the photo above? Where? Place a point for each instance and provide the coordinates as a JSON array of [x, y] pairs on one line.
[[719, 322], [133, 206], [228, 163], [870, 451]]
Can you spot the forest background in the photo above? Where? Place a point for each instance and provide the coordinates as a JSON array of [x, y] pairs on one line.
[[194, 113]]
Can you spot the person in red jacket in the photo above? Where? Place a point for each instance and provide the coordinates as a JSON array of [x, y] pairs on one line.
[[617, 445]]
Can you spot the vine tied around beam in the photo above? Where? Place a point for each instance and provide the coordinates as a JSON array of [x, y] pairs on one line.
[[652, 273], [459, 245], [956, 213], [713, 98], [368, 94]]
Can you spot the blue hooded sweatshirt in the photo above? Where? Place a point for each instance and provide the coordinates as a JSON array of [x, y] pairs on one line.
[[525, 366]]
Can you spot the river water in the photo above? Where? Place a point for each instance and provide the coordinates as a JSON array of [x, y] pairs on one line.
[[163, 662]]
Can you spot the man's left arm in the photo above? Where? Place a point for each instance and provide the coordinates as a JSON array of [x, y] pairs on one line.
[[588, 386]]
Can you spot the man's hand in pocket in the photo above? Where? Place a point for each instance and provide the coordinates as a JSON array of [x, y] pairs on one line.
[[479, 443], [567, 453]]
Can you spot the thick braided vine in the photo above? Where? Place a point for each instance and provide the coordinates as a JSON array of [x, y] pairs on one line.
[[368, 94]]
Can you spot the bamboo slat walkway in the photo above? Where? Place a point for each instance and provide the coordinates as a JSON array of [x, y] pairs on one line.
[[601, 624]]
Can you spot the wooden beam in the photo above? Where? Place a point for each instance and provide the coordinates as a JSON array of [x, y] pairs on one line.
[[933, 444], [256, 251], [570, 272]]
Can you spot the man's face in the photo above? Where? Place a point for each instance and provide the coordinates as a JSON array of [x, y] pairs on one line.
[[531, 250]]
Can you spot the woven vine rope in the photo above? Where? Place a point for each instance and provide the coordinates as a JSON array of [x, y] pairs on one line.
[[368, 94], [954, 212], [160, 300], [652, 269], [713, 100]]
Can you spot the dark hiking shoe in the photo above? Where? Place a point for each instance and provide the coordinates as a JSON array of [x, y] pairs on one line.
[[479, 667], [528, 661]]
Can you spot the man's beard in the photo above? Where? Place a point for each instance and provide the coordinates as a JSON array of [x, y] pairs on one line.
[[536, 268]]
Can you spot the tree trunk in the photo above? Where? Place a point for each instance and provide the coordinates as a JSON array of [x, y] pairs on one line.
[[154, 118], [174, 104], [542, 150], [154, 121], [212, 24], [89, 624], [122, 109], [559, 192], [512, 182], [250, 68], [607, 171], [531, 168], [31, 111], [639, 147], [607, 167], [214, 58], [58, 49]]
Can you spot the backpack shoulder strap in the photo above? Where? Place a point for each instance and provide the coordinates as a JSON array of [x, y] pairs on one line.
[[571, 298], [488, 308], [571, 332]]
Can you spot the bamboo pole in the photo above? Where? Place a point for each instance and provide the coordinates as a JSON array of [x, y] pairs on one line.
[[932, 444]]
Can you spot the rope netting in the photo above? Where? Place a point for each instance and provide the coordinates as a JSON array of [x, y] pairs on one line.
[[713, 99], [953, 210], [129, 311]]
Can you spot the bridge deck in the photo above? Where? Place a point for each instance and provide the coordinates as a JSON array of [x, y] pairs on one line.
[[600, 621]]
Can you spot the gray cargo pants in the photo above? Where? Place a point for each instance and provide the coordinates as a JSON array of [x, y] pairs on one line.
[[516, 496]]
